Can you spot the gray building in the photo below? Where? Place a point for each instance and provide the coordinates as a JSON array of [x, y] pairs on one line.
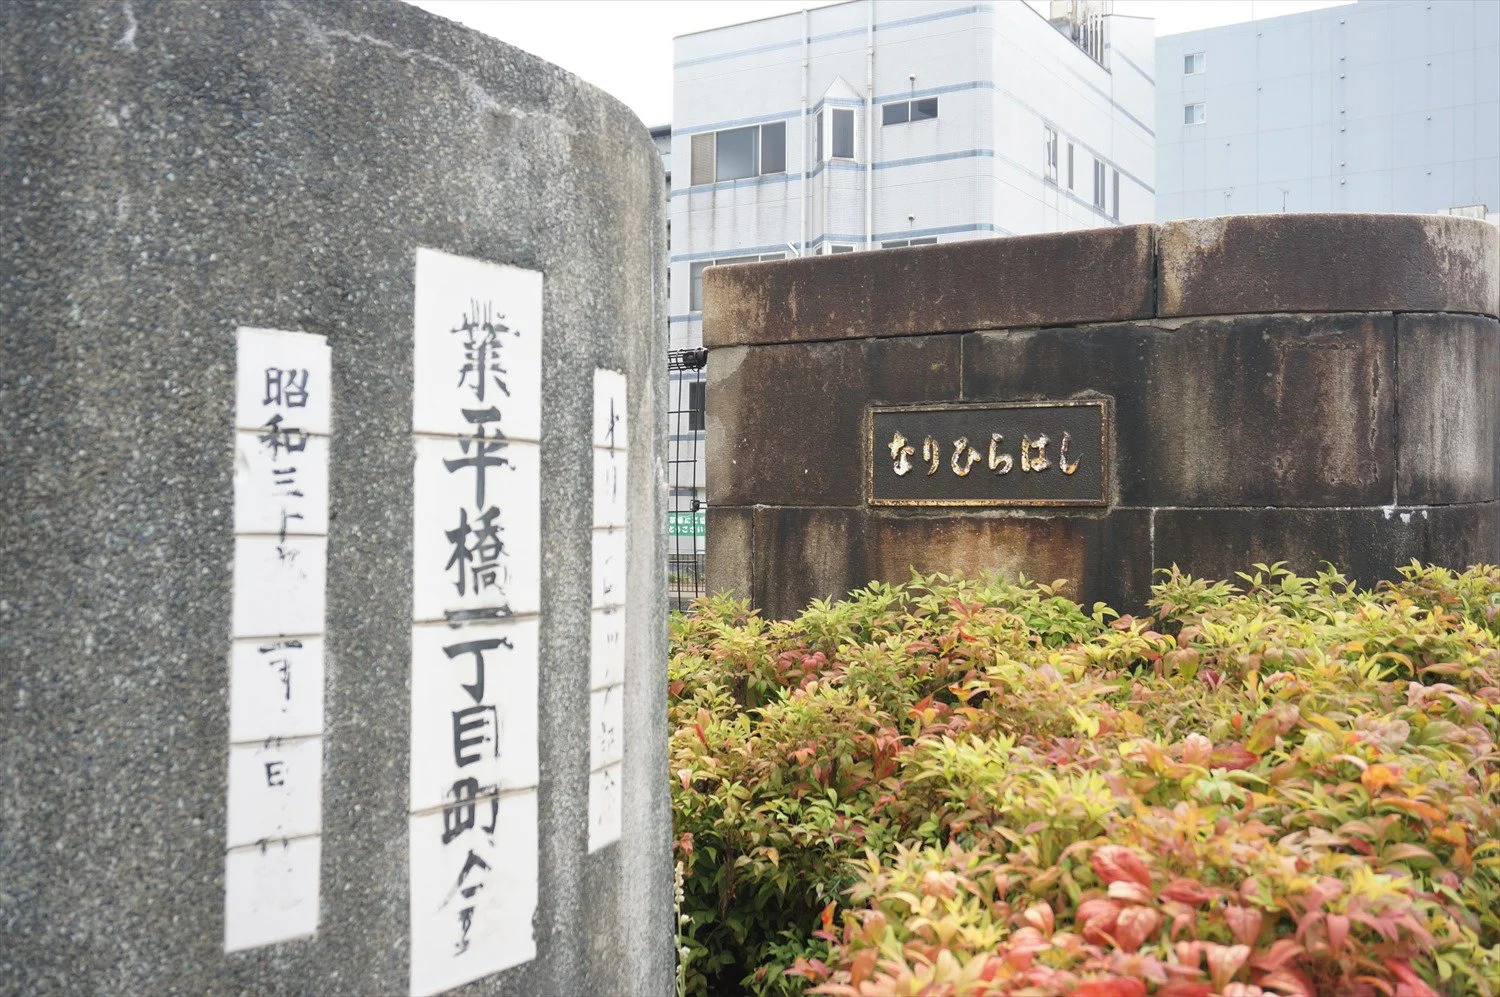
[[1382, 105], [876, 124]]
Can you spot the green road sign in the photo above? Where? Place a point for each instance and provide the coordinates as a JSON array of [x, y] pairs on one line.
[[685, 524]]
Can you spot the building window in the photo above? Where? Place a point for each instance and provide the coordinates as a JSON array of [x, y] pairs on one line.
[[734, 153], [737, 153], [1192, 114], [1049, 154], [702, 168], [835, 248], [929, 240], [840, 133], [1099, 185], [901, 111], [695, 272], [697, 404], [1115, 194], [818, 129], [1070, 166], [1192, 64], [773, 148]]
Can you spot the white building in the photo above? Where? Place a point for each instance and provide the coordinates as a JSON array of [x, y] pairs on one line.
[[1383, 105], [880, 123]]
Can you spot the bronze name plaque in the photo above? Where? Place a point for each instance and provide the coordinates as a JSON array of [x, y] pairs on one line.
[[1011, 453]]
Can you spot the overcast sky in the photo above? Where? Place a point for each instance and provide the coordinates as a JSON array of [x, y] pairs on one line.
[[625, 46]]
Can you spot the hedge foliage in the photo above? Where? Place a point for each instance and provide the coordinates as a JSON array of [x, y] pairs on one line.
[[961, 787]]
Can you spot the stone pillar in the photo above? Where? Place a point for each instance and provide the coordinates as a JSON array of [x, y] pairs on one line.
[[260, 259], [1272, 387]]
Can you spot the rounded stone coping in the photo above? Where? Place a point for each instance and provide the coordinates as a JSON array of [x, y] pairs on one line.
[[1094, 275], [1249, 264], [1233, 265]]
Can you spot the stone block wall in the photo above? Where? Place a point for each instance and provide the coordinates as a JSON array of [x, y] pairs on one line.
[[1281, 387]]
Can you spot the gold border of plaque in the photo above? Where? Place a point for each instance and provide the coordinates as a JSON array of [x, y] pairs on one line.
[[1105, 467]]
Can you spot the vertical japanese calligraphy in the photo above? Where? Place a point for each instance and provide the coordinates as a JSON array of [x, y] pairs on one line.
[[607, 653], [275, 785], [476, 556]]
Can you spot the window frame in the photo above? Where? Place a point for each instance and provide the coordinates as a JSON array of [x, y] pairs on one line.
[[1070, 167], [1115, 192], [1194, 63], [833, 124], [1049, 154], [922, 240], [1194, 113], [753, 132], [908, 111], [773, 126], [1099, 194], [704, 158]]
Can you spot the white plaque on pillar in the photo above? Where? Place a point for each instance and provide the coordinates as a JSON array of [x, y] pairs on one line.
[[605, 800], [473, 890], [473, 709], [275, 790], [283, 417], [271, 893], [609, 568], [607, 624], [611, 431], [476, 583], [475, 550], [279, 585], [275, 688], [280, 493], [607, 643], [282, 379], [609, 488], [606, 718], [479, 346]]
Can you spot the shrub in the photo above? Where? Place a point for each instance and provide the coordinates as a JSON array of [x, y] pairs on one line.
[[968, 786]]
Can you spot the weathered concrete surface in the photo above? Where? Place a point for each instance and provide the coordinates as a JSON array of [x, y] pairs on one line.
[[1327, 263], [1253, 410], [1293, 387], [789, 421], [1090, 552], [1449, 408], [729, 542], [794, 554], [806, 554], [1366, 544], [175, 170], [1101, 275]]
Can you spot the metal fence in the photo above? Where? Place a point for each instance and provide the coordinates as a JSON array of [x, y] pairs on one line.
[[685, 470]]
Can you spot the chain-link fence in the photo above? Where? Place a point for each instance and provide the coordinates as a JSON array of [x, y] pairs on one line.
[[685, 470]]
